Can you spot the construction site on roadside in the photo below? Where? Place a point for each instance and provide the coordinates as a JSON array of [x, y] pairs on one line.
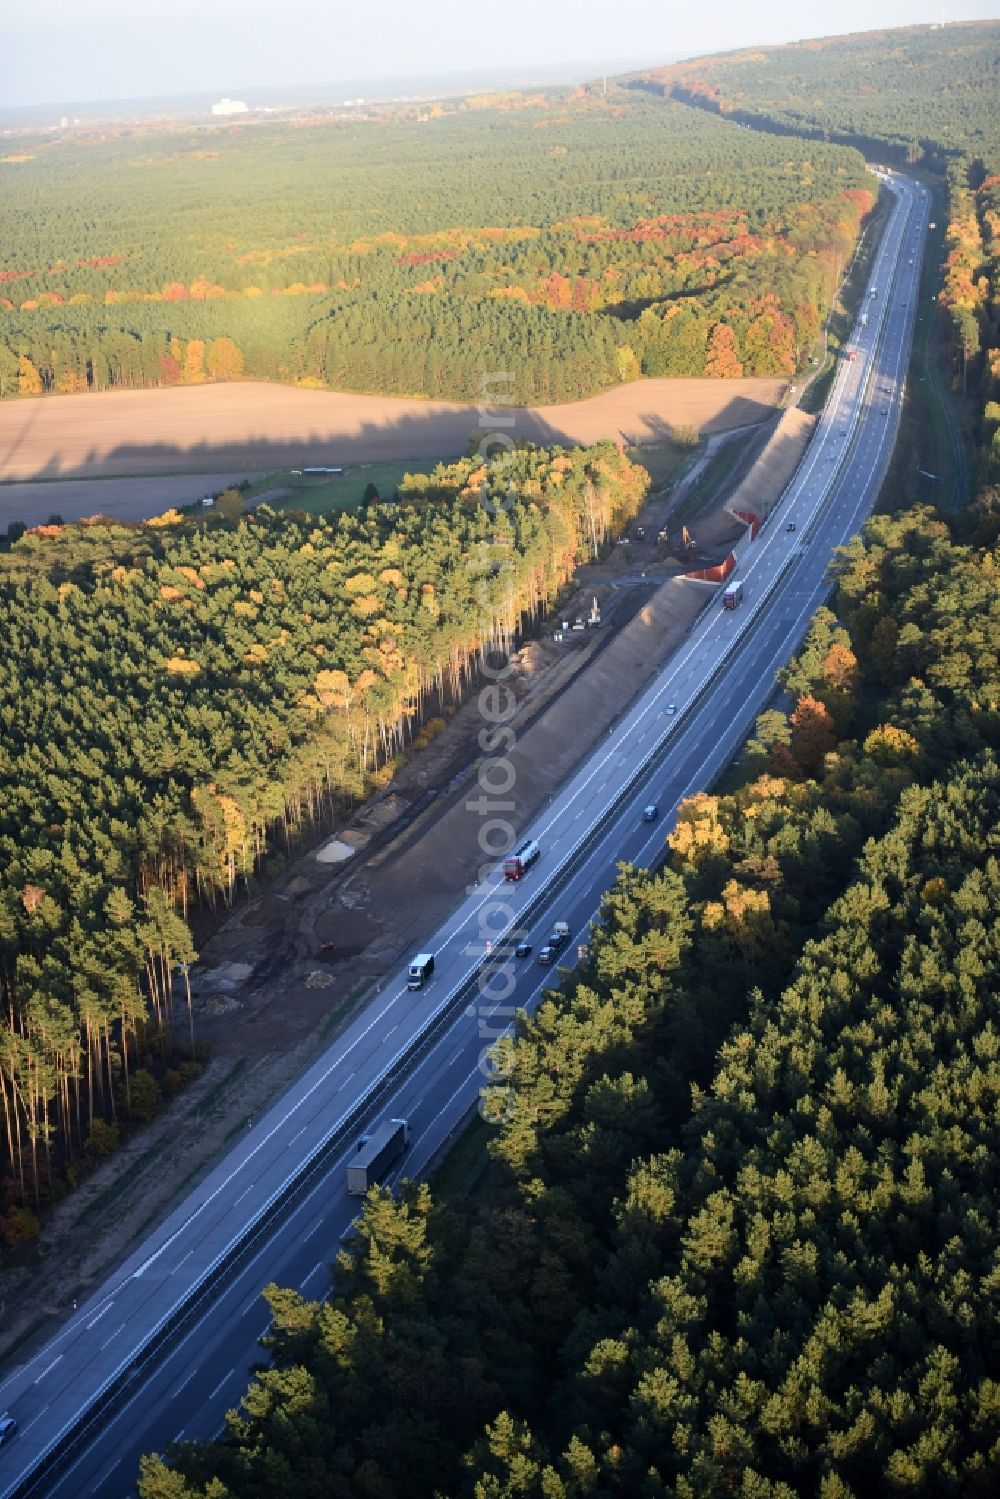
[[349, 911]]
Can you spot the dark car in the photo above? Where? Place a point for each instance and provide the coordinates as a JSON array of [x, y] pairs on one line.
[[522, 950], [790, 526], [650, 813], [8, 1429], [546, 955]]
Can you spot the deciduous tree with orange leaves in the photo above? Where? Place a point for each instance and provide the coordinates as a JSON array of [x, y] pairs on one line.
[[812, 734]]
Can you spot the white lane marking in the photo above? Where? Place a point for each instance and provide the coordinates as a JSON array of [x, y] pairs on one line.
[[314, 1230], [180, 1262], [105, 1476], [103, 1312], [223, 1381], [312, 1272], [184, 1384], [48, 1369], [114, 1335], [463, 1084]]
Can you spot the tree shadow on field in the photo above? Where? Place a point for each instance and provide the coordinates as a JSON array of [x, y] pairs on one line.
[[51, 461]]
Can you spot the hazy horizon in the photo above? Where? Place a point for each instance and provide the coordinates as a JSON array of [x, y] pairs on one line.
[[119, 53], [374, 88]]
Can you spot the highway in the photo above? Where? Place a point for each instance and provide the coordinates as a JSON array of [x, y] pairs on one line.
[[189, 1296]]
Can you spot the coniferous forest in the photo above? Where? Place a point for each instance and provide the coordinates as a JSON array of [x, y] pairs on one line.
[[181, 696], [584, 241], [738, 1232], [740, 1228]]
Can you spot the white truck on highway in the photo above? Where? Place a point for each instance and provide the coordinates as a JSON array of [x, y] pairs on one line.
[[420, 970], [376, 1153], [557, 940]]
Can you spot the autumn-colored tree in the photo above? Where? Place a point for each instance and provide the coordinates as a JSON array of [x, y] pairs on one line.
[[224, 360], [194, 354], [840, 667], [627, 364], [722, 361], [170, 370], [888, 744], [29, 381], [698, 834], [812, 734]]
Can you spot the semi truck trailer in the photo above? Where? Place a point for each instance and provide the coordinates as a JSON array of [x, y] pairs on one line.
[[375, 1154], [517, 864]]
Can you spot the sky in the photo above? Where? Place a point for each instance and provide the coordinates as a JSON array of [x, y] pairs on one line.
[[86, 50]]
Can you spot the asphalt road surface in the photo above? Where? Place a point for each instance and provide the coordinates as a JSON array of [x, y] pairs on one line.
[[420, 1056]]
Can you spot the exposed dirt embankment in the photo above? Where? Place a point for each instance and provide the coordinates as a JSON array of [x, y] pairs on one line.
[[548, 750], [254, 427], [764, 485]]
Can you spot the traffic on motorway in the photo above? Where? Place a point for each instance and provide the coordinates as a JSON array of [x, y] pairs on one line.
[[163, 1348]]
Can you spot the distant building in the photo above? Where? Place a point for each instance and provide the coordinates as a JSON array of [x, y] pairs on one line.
[[229, 107]]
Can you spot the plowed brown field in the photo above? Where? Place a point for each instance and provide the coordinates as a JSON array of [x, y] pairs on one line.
[[252, 427]]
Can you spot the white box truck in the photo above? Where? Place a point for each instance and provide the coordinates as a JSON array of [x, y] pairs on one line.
[[375, 1154], [420, 970]]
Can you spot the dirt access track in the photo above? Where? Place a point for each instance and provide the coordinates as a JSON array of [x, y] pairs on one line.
[[251, 428]]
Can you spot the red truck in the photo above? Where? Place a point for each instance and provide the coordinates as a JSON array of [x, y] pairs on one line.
[[733, 595], [517, 864]]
